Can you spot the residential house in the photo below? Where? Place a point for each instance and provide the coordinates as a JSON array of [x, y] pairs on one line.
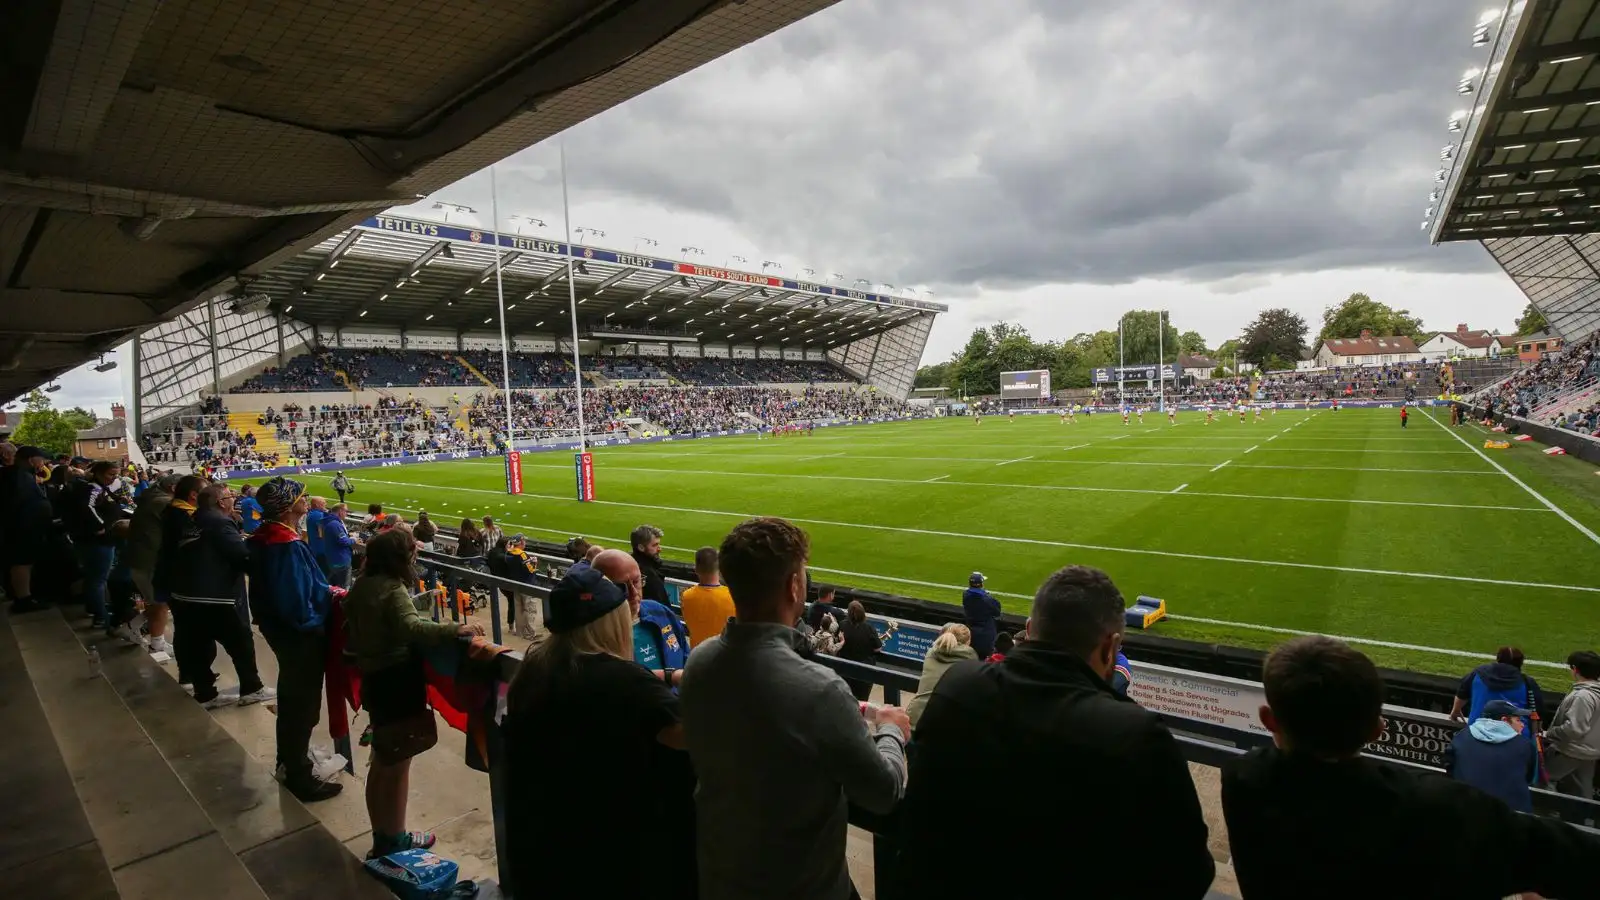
[[1461, 343], [106, 440], [1367, 350], [1533, 347], [1196, 367]]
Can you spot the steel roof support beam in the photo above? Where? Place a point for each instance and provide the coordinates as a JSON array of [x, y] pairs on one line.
[[329, 262], [481, 279], [409, 271]]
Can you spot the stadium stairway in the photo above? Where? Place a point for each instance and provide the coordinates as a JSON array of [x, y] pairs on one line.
[[118, 785], [343, 378], [267, 442], [474, 370]]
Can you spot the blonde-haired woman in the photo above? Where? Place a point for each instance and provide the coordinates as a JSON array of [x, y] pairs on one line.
[[593, 734], [953, 645]]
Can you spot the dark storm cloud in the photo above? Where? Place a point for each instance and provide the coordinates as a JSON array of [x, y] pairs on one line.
[[1010, 143]]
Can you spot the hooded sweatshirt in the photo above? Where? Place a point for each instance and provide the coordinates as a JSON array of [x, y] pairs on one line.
[[1499, 681], [982, 611], [1575, 730], [938, 661], [1488, 756]]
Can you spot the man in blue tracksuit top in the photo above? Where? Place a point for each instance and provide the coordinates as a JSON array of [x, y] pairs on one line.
[[336, 544], [1489, 755], [316, 511], [290, 600], [982, 613], [249, 510]]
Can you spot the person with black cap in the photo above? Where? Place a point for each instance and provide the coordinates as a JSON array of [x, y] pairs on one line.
[[982, 612], [289, 599], [590, 733], [26, 510], [1487, 755]]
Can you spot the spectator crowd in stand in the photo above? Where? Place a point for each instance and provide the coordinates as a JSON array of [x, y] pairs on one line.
[[737, 755], [370, 368], [1568, 373], [676, 410]]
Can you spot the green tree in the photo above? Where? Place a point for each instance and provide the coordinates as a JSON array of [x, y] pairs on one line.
[[1274, 333], [1192, 343], [1532, 320], [41, 426], [933, 376], [1227, 353], [1144, 340], [80, 418], [1360, 313]]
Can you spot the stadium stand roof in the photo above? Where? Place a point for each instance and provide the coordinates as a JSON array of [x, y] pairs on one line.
[[1522, 173], [412, 272], [154, 155]]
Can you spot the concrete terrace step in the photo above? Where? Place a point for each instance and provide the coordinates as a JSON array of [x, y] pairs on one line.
[[474, 370], [171, 798], [45, 838]]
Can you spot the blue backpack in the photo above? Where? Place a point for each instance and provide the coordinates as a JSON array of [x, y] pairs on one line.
[[418, 875]]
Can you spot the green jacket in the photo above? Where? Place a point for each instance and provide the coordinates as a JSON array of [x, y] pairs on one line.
[[382, 626]]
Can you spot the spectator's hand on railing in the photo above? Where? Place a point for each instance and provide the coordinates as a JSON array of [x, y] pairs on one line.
[[470, 630], [893, 715]]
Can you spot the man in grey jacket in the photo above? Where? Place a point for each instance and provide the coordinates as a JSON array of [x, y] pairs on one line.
[[1573, 741], [779, 744]]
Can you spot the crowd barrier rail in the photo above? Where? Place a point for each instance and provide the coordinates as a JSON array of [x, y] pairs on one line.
[[1206, 743]]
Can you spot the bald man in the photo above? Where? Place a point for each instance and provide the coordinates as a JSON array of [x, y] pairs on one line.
[[660, 642], [8, 453], [317, 510]]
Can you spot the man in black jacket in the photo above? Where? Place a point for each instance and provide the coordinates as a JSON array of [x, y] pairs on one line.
[[205, 559], [1096, 767], [647, 553], [26, 510], [90, 514], [1312, 817]]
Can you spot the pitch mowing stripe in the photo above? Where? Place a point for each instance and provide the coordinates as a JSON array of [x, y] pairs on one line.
[[1582, 528], [1177, 618], [1100, 548], [1087, 489], [499, 463]]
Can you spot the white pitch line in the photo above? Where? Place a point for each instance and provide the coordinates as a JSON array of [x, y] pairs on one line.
[[934, 479], [1271, 438], [1356, 640], [1010, 461], [1039, 542], [1179, 488], [497, 463], [823, 456], [1075, 447], [1582, 528], [1085, 489], [953, 588], [1252, 448], [1221, 464]]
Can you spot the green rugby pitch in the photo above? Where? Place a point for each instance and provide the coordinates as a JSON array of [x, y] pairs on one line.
[[1340, 523]]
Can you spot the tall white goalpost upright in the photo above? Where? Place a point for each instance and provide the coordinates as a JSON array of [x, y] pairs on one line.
[[500, 291], [572, 302]]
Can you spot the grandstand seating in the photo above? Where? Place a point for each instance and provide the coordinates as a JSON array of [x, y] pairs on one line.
[[386, 368], [1561, 389]]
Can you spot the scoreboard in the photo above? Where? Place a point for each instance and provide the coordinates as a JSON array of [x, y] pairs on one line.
[[1033, 385]]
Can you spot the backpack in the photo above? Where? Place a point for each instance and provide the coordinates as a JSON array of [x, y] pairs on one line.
[[416, 875]]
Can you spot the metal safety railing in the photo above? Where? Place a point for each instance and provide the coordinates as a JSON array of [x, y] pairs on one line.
[[1203, 743]]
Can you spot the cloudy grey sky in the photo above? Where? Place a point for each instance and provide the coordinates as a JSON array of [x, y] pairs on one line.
[[1051, 162]]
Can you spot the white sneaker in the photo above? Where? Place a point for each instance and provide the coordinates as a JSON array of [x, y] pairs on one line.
[[160, 645], [187, 688], [128, 635], [260, 696], [220, 701]]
